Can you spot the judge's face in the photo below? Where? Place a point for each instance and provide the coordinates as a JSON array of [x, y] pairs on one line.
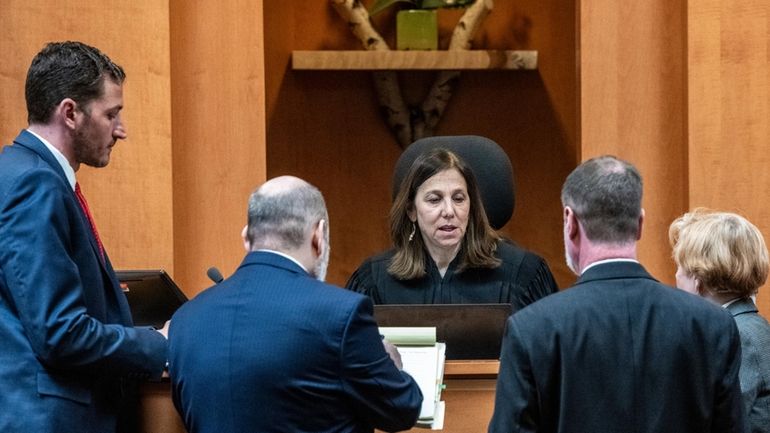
[[686, 282], [440, 209]]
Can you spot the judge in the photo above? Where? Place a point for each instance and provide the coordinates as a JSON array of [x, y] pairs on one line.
[[445, 250]]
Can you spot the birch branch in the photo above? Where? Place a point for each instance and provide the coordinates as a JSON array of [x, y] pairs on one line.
[[441, 92], [385, 82]]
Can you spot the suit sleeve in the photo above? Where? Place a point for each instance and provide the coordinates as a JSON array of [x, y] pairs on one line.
[[729, 413], [516, 408], [45, 286], [387, 398]]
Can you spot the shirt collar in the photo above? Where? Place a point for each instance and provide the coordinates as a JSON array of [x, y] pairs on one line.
[[265, 250], [60, 158], [601, 262], [728, 303]]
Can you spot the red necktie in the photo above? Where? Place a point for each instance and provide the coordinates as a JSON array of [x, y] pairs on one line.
[[84, 206]]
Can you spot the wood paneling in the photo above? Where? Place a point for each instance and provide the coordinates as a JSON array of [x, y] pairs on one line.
[[131, 198], [728, 66], [678, 88], [326, 127], [633, 105], [217, 96]]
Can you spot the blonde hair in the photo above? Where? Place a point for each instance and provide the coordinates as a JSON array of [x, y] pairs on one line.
[[723, 251]]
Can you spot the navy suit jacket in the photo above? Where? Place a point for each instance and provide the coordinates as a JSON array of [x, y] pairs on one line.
[[755, 363], [619, 353], [65, 327], [271, 349]]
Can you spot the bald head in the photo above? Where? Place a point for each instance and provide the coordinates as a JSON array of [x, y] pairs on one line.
[[281, 185], [283, 213]]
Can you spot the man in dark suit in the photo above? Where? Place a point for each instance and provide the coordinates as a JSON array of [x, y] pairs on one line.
[[275, 349], [617, 352], [69, 352]]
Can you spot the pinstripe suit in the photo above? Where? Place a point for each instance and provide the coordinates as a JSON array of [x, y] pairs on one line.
[[272, 349]]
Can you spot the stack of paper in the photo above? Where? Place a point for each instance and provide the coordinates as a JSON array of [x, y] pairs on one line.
[[423, 358]]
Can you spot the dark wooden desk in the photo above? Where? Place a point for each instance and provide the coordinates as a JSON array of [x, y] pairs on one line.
[[469, 397]]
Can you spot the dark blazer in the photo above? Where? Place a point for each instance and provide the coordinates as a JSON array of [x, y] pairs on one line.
[[271, 349], [619, 352], [755, 363], [65, 327]]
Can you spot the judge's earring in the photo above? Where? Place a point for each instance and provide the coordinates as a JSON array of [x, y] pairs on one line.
[[411, 235]]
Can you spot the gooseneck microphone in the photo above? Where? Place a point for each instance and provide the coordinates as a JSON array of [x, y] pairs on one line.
[[214, 274]]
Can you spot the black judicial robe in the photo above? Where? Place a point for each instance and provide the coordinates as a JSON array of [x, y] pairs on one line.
[[521, 279]]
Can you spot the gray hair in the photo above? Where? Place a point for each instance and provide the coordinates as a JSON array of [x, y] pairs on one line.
[[606, 195], [281, 221]]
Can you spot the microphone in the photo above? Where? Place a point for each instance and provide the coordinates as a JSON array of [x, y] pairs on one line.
[[214, 274]]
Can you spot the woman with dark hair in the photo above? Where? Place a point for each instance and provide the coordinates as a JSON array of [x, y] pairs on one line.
[[445, 251]]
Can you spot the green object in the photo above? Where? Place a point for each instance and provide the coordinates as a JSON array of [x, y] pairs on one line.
[[416, 30]]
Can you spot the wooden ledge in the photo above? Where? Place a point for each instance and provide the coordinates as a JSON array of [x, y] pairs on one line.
[[414, 60], [481, 367]]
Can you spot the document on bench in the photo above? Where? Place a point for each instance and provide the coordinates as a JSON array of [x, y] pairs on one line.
[[423, 358]]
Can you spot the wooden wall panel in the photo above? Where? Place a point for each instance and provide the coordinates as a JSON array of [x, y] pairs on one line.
[[729, 110], [131, 198], [326, 127], [633, 105], [217, 96]]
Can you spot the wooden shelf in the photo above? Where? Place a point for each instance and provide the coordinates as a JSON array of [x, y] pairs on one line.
[[480, 367], [414, 60]]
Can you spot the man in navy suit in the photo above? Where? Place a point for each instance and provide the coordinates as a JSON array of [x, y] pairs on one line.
[[618, 352], [275, 349], [69, 352]]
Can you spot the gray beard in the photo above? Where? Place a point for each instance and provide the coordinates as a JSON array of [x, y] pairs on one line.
[[319, 271], [570, 263]]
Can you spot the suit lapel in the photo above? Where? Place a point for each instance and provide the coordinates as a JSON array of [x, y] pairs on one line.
[[28, 141]]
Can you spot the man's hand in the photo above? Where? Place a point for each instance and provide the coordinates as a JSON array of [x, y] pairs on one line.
[[393, 353]]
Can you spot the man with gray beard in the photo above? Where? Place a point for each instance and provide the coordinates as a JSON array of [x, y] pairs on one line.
[[274, 348]]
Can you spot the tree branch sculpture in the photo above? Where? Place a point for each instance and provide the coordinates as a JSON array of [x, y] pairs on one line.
[[408, 128]]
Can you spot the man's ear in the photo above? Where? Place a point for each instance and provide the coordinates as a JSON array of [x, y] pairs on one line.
[[571, 226], [68, 112], [245, 237], [318, 239], [641, 222]]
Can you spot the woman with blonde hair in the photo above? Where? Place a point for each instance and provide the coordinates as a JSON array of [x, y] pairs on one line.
[[723, 257]]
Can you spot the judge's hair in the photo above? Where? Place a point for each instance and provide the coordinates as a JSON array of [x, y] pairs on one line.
[[480, 241], [67, 70], [723, 251], [605, 193], [282, 221]]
